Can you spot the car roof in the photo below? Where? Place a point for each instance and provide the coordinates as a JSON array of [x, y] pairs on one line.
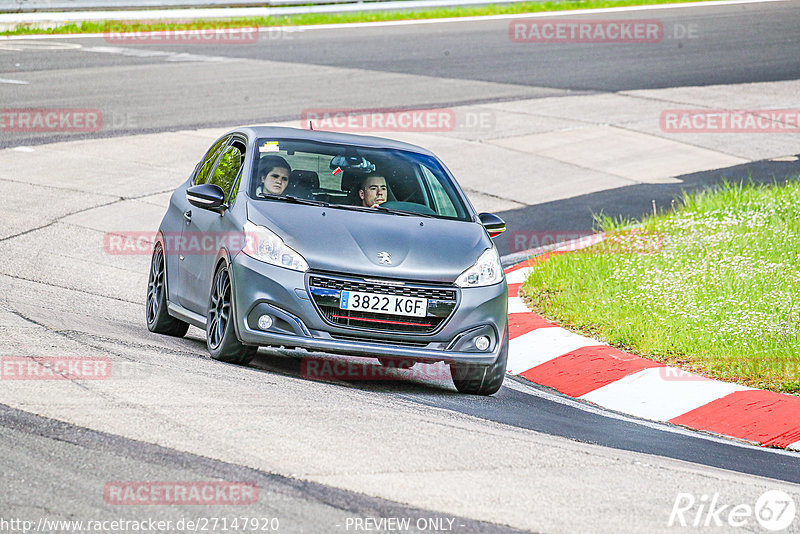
[[283, 132]]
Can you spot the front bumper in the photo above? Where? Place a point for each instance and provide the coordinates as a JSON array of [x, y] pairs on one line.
[[260, 288]]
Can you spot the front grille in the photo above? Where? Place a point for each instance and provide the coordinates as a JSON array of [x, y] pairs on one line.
[[326, 293], [368, 287]]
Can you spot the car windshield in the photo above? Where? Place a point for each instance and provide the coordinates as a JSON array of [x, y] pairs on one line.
[[376, 180]]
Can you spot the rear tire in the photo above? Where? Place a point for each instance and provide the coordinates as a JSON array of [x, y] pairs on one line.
[[476, 379], [155, 313], [223, 345]]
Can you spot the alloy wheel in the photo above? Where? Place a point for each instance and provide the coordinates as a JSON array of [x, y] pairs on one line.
[[219, 312], [155, 284]]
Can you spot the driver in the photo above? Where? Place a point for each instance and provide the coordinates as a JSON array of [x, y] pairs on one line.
[[273, 173], [373, 191]]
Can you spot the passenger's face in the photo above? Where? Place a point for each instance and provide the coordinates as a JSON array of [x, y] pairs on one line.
[[276, 180], [374, 191]]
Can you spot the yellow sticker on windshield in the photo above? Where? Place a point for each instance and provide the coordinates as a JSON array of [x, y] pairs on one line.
[[269, 146]]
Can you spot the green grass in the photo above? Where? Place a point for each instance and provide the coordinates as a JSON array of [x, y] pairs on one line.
[[713, 287], [337, 18]]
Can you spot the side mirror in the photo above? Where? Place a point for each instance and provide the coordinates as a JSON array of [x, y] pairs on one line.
[[493, 224], [207, 196]]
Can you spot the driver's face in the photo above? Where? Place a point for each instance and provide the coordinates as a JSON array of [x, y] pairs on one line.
[[374, 191], [276, 180]]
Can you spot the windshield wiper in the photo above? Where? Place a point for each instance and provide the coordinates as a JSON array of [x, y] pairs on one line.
[[309, 202], [403, 212], [384, 210], [294, 200], [351, 207]]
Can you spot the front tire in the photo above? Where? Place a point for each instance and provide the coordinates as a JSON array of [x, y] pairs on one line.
[[221, 337], [156, 315], [475, 379]]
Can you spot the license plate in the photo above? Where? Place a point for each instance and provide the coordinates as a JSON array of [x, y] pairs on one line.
[[388, 304]]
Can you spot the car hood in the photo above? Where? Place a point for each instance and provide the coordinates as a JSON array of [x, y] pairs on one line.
[[352, 242]]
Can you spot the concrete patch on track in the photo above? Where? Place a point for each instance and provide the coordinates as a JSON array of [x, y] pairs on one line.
[[616, 151]]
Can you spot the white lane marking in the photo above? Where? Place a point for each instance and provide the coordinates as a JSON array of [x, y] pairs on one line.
[[660, 393], [131, 52], [13, 82], [542, 345], [517, 305], [136, 52], [713, 3], [183, 57], [20, 45], [22, 149], [518, 276], [526, 387]]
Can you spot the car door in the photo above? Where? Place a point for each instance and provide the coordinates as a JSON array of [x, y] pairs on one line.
[[205, 231], [198, 237], [178, 211]]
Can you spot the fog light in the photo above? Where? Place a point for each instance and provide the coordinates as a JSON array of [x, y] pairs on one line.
[[482, 342], [265, 322]]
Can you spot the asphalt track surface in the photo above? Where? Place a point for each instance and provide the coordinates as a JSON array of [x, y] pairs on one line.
[[731, 44], [747, 43], [27, 438]]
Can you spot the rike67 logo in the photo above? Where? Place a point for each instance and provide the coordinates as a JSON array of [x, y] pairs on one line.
[[774, 511]]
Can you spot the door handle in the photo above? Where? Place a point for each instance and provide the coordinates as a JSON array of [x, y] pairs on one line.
[[187, 215]]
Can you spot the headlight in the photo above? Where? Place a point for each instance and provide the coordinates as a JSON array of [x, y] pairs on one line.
[[486, 271], [264, 245]]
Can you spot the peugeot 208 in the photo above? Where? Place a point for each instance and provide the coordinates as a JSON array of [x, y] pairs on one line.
[[331, 242]]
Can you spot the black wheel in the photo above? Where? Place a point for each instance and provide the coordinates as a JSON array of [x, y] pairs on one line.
[[476, 379], [158, 320], [220, 331]]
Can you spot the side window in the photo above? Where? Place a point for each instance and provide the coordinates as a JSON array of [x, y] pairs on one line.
[[444, 206], [240, 144], [208, 161], [227, 169]]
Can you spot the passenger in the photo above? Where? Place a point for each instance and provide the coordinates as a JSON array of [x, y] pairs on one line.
[[273, 173], [373, 191]]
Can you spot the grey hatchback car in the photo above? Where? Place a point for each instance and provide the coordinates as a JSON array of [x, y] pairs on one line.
[[332, 242]]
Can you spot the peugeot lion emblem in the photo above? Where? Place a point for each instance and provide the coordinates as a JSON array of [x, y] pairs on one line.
[[385, 257]]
